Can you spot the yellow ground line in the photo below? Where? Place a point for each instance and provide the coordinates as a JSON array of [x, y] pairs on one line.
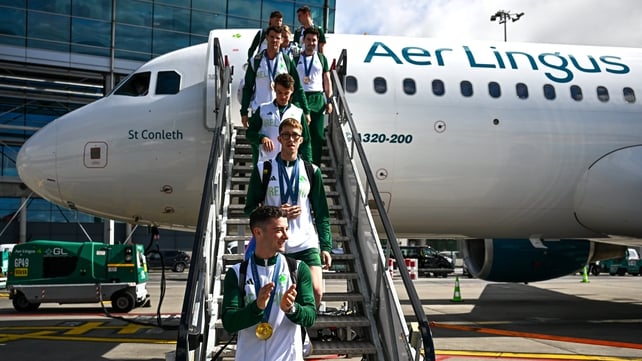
[[42, 336], [539, 336], [84, 328], [537, 356], [63, 328], [17, 336]]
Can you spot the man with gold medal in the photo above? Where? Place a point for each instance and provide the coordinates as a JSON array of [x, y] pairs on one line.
[[267, 310]]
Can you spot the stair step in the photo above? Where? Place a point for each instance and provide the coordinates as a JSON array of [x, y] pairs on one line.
[[342, 296], [247, 221], [243, 193], [340, 275], [343, 321], [342, 348]]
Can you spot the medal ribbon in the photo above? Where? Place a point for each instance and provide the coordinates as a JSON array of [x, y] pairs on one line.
[[272, 71], [257, 286], [307, 68], [289, 190], [281, 112]]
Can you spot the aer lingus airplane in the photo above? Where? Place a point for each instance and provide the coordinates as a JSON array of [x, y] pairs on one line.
[[522, 148]]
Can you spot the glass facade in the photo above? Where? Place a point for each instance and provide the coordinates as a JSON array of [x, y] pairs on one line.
[[142, 28], [57, 55]]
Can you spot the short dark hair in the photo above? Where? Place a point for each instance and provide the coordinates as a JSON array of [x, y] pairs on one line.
[[278, 29], [262, 214], [311, 30], [285, 80], [276, 14], [304, 9]]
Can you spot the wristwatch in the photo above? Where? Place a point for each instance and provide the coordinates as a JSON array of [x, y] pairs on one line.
[[292, 310]]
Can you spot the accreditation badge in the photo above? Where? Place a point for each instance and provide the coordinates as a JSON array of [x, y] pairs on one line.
[[263, 331]]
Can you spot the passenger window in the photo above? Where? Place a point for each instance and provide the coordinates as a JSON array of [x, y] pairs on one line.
[[629, 95], [522, 90], [351, 84], [576, 92], [409, 86], [438, 87], [549, 91], [168, 82], [602, 94], [380, 86], [466, 88], [137, 85], [494, 89]]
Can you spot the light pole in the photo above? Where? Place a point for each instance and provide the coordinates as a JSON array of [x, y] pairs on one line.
[[503, 17]]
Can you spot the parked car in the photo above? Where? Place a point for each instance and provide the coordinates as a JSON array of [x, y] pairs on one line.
[[429, 259], [175, 260], [454, 257]]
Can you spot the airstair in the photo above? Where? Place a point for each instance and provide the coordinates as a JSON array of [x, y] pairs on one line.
[[362, 316]]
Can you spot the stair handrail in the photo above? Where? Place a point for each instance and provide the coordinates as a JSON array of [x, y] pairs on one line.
[[194, 324], [340, 117]]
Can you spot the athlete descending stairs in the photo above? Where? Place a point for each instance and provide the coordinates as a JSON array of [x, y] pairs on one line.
[[362, 315], [343, 328]]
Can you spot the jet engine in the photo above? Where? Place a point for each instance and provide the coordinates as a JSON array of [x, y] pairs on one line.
[[530, 260]]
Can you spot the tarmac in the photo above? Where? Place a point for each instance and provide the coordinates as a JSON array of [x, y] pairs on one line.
[[561, 319]]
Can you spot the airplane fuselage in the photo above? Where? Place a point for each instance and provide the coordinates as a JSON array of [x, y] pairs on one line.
[[464, 139]]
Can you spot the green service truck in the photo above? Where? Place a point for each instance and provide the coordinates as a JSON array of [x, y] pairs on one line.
[[47, 271]]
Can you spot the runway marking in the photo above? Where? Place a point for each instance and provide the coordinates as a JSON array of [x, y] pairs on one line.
[[540, 336], [74, 332], [6, 337], [131, 328], [86, 327], [46, 335], [444, 355]]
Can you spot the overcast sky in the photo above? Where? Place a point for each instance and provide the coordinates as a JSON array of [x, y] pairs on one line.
[[590, 22]]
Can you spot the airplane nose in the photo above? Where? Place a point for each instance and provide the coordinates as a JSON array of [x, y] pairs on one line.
[[37, 163]]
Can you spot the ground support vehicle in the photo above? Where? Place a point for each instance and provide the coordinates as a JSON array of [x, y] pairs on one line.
[[46, 271], [630, 263]]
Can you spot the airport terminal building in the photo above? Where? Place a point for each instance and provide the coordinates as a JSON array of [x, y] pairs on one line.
[[58, 55]]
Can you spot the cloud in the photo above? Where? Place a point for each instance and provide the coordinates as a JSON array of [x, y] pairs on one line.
[[589, 22]]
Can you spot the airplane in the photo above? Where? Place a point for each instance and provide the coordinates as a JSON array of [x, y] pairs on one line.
[[530, 153]]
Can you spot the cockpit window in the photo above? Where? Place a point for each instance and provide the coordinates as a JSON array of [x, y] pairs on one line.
[[168, 82], [136, 86]]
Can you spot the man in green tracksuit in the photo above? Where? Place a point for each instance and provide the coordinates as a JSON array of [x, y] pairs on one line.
[[314, 73], [267, 306], [263, 128], [297, 188]]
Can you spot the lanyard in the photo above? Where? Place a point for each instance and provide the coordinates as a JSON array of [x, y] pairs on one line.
[[307, 68], [257, 286], [289, 190], [281, 112], [272, 71]]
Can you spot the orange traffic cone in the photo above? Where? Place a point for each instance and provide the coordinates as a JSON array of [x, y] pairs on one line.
[[457, 295]]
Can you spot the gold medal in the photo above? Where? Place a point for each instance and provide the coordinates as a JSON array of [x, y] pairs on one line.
[[263, 331], [306, 80]]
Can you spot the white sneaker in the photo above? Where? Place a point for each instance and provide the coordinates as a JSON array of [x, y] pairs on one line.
[[307, 346]]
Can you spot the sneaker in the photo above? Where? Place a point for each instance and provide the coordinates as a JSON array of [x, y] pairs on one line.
[[307, 346]]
